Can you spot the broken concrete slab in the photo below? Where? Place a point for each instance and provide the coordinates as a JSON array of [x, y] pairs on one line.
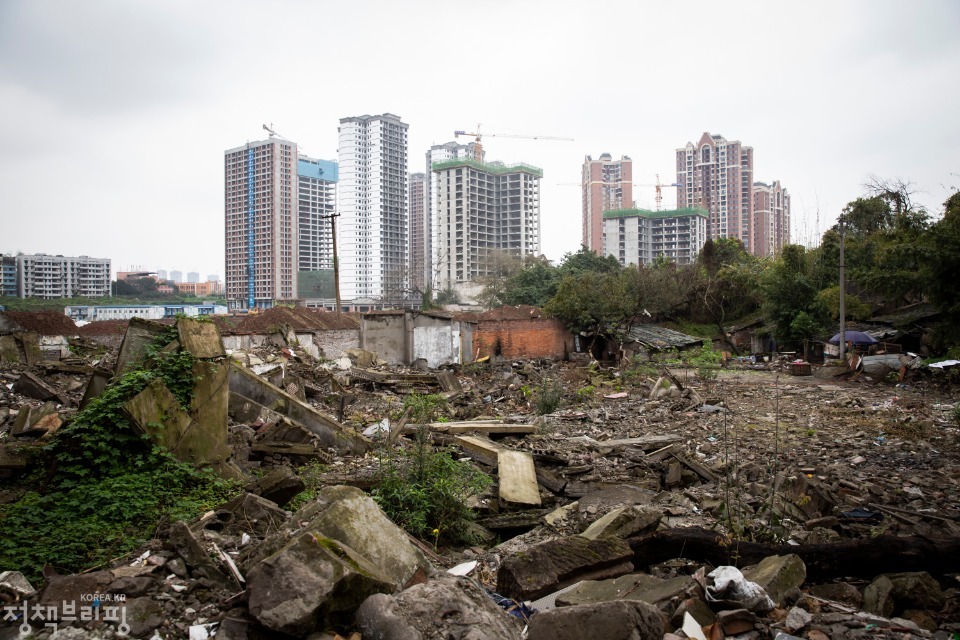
[[29, 344], [607, 620], [249, 387], [14, 586], [205, 440], [892, 593], [98, 382], [9, 352], [635, 586], [552, 565], [29, 417], [624, 522], [157, 413], [443, 607], [140, 334], [313, 581], [350, 516], [200, 338], [247, 513], [518, 479], [778, 575], [33, 387], [281, 485]]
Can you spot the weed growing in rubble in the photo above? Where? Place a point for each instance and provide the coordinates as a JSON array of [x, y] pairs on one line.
[[706, 361], [425, 407], [107, 488], [548, 396], [312, 475], [425, 491], [956, 413]]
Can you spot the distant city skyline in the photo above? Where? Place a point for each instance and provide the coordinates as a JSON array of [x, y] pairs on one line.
[[130, 105]]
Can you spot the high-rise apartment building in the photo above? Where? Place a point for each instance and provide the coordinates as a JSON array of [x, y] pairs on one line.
[[8, 275], [317, 202], [419, 232], [607, 185], [261, 223], [372, 228], [483, 209], [717, 175], [193, 276], [639, 236], [161, 274], [440, 153], [176, 275], [771, 218], [44, 276]]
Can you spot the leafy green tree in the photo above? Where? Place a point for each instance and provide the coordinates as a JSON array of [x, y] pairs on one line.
[[595, 303], [854, 307], [534, 284], [585, 260], [790, 296], [940, 271]]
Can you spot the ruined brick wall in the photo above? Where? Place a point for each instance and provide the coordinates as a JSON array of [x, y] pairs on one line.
[[528, 338], [333, 341]]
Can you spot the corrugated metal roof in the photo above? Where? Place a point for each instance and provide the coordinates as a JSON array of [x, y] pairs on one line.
[[655, 337]]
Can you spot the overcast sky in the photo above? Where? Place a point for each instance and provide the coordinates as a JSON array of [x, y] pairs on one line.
[[115, 114]]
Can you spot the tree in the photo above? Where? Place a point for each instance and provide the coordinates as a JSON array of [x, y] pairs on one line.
[[727, 283], [585, 260], [595, 303], [534, 284], [791, 296], [941, 268]]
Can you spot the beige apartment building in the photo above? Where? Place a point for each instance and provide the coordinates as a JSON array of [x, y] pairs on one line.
[[607, 185]]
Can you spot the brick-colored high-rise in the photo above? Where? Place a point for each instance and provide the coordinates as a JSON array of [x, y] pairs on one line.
[[261, 223], [607, 185], [419, 232], [771, 218], [716, 175]]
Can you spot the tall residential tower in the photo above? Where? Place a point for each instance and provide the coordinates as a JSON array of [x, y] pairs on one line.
[[771, 218], [716, 175], [482, 210], [372, 229], [261, 224], [607, 185]]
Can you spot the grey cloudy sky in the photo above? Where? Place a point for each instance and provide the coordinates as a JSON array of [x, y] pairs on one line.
[[115, 114]]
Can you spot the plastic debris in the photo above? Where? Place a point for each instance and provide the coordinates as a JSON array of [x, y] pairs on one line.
[[729, 585], [463, 569]]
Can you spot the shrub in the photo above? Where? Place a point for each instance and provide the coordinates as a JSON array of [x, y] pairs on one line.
[[428, 407], [548, 396], [424, 491]]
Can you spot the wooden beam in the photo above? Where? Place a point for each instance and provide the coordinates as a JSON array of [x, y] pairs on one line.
[[518, 479]]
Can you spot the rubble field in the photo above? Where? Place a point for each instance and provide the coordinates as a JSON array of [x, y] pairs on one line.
[[623, 502]]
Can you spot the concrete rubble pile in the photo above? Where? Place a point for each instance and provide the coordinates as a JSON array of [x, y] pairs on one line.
[[654, 504]]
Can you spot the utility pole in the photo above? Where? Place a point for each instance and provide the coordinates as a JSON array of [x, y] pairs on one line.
[[843, 294], [336, 260]]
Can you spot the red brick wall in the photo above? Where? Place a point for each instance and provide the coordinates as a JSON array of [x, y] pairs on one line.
[[528, 338]]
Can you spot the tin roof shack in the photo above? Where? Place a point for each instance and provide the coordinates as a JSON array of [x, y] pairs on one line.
[[750, 338], [645, 341], [907, 326], [404, 336], [35, 336], [319, 333], [518, 332]]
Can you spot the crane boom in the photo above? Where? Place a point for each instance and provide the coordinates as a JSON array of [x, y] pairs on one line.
[[477, 136]]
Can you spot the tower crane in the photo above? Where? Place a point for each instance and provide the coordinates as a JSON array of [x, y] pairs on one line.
[[477, 136], [273, 134], [659, 186]]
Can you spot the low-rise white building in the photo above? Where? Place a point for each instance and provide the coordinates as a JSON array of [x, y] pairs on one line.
[[145, 311]]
